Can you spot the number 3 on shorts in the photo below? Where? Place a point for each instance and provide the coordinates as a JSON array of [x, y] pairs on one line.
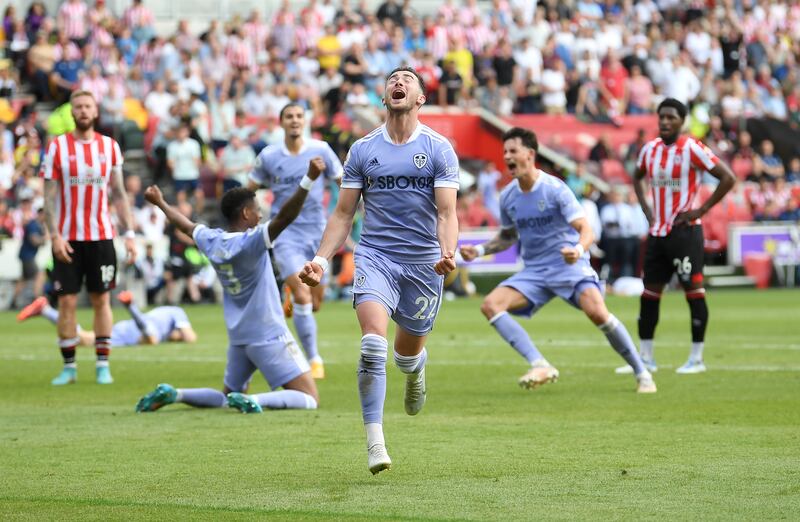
[[425, 303], [682, 266]]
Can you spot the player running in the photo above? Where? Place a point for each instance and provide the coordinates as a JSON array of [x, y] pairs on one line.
[[78, 169], [160, 325], [541, 212], [257, 333], [408, 177], [280, 167], [674, 165]]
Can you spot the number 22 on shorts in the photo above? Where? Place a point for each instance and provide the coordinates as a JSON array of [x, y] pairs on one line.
[[425, 303]]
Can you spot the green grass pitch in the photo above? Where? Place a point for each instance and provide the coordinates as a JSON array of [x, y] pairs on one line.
[[723, 445]]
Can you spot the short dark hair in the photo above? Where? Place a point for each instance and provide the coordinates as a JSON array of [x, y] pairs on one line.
[[675, 104], [411, 70], [527, 137], [287, 107], [234, 201]]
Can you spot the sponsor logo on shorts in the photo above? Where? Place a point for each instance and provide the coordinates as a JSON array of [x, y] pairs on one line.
[[361, 279], [420, 160]]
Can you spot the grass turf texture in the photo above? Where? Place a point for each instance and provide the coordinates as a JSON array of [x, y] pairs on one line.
[[723, 445]]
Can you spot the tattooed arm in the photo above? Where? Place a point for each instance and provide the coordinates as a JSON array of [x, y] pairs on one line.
[[503, 240]]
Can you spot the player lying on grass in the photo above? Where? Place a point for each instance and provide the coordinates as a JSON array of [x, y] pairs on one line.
[[257, 333], [160, 325], [539, 211]]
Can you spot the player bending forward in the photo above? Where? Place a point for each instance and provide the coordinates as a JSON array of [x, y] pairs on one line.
[[542, 213], [160, 325], [675, 165], [408, 177], [257, 332]]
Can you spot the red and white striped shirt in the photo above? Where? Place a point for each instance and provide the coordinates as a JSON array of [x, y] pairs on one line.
[[239, 53], [72, 19], [257, 34], [138, 16], [675, 173], [147, 58], [84, 170]]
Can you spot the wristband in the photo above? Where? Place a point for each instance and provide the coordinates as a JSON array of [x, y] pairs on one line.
[[321, 261], [580, 250], [481, 250], [306, 183], [130, 234]]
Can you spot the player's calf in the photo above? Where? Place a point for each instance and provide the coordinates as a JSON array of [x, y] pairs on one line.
[[414, 368]]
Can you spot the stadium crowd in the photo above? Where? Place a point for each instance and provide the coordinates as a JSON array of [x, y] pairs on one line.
[[202, 105]]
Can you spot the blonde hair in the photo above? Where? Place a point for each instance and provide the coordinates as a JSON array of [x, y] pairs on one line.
[[79, 93]]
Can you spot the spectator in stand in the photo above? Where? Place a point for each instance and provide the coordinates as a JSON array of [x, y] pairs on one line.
[[72, 19], [34, 236], [781, 207], [602, 149], [760, 198], [639, 92], [554, 84], [744, 158], [619, 239], [451, 85], [184, 159], [488, 179], [41, 61], [504, 65], [34, 19], [152, 269], [793, 173], [236, 162], [613, 85], [767, 163], [139, 19]]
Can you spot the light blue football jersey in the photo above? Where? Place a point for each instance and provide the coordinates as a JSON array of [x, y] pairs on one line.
[[160, 322], [251, 301], [542, 218], [280, 171], [397, 184]]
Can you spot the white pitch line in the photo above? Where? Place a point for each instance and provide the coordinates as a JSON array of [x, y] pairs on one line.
[[434, 362]]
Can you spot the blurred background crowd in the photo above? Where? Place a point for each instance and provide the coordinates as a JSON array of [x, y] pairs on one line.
[[193, 105]]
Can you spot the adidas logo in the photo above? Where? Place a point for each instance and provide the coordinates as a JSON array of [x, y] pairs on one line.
[[373, 163]]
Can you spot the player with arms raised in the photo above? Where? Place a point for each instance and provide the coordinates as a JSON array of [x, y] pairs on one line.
[[280, 167], [257, 333], [77, 171], [408, 177], [674, 165], [542, 213]]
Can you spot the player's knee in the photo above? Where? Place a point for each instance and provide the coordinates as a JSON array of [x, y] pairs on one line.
[[374, 349], [490, 307], [597, 313]]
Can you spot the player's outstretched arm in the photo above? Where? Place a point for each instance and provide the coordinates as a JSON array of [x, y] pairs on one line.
[[153, 195], [573, 253], [726, 182], [446, 228], [120, 197], [640, 189], [291, 209], [504, 239], [336, 232]]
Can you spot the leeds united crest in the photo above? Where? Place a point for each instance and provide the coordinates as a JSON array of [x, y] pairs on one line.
[[542, 205], [420, 160]]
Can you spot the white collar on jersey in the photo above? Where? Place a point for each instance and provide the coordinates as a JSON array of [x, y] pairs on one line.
[[414, 135], [287, 152]]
